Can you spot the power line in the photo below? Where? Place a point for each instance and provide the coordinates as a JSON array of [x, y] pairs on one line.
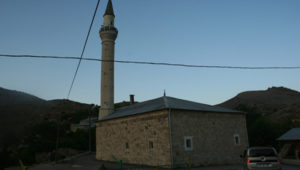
[[74, 77], [86, 40], [153, 63]]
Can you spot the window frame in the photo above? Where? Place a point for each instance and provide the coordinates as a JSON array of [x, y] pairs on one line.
[[236, 136], [186, 138], [151, 145]]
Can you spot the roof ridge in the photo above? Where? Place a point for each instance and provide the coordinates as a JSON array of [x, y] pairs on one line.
[[166, 102], [137, 104]]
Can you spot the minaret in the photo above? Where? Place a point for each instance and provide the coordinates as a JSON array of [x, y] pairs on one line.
[[108, 34]]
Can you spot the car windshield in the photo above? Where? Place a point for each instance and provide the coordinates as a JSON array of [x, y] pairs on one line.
[[261, 152]]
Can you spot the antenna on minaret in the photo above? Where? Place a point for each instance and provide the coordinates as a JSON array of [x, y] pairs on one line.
[[164, 92]]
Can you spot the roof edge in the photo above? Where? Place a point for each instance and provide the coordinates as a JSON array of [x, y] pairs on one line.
[[142, 113]]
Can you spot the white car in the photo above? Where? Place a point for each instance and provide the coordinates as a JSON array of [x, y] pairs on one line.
[[264, 158]]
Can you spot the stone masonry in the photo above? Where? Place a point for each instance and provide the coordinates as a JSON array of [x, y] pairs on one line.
[[137, 132], [212, 137]]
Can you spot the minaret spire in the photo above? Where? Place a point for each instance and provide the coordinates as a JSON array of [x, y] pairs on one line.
[[109, 9], [109, 16]]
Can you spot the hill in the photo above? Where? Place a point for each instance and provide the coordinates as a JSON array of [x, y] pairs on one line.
[[19, 110], [12, 97], [29, 128], [276, 103]]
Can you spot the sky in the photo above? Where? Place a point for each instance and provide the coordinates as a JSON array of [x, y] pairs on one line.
[[201, 32]]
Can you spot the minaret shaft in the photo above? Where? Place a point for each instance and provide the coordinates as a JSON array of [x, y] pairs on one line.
[[108, 34], [107, 79]]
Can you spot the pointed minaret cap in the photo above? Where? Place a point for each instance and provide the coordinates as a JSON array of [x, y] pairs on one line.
[[109, 9]]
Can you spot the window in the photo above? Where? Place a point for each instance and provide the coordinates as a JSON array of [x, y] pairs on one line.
[[126, 145], [236, 139], [188, 143], [150, 144], [262, 152]]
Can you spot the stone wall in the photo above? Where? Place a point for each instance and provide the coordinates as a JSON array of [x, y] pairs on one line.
[[212, 137], [136, 132]]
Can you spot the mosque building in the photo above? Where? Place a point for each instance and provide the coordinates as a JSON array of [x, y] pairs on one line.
[[166, 130]]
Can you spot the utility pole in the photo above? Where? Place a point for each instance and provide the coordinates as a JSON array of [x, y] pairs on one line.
[[57, 136]]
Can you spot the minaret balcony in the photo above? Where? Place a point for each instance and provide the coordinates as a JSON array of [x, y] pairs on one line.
[[108, 28]]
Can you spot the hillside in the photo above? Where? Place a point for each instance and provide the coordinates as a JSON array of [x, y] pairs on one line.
[[18, 110], [12, 97], [276, 103]]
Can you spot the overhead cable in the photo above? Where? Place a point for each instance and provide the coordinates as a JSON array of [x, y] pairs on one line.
[[154, 63], [81, 56]]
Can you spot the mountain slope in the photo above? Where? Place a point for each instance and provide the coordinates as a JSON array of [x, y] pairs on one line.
[[277, 103], [12, 97], [19, 110]]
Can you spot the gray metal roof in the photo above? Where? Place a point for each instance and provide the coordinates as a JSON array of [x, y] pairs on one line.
[[86, 124], [165, 102], [293, 134]]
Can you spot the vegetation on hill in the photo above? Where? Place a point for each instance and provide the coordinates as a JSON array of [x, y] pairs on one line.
[[270, 113], [261, 130], [41, 138], [30, 125]]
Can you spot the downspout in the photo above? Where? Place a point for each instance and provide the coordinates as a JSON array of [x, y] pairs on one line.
[[170, 127], [246, 129], [171, 143]]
